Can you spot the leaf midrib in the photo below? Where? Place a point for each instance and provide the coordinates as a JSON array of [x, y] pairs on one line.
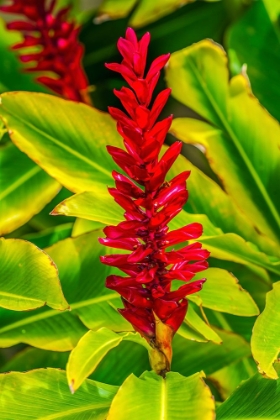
[[52, 312], [26, 177], [238, 146], [163, 408], [239, 255], [57, 142], [66, 413]]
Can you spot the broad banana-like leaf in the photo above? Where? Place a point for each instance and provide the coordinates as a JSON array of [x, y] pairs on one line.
[[44, 394], [71, 147], [172, 398], [29, 277], [238, 151], [24, 191], [50, 236], [229, 378], [221, 292], [82, 277], [260, 50], [266, 339], [91, 349], [256, 398], [228, 246], [190, 356]]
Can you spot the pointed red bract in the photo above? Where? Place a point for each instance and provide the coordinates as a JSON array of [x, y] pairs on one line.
[[56, 36], [150, 266]]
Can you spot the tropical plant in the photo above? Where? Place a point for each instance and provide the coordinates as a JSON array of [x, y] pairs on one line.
[[70, 347]]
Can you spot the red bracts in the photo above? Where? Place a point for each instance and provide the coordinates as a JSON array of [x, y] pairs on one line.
[[55, 46], [154, 309]]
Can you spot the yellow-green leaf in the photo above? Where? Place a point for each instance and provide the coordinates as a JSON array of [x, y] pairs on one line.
[[195, 321], [29, 277], [71, 147], [256, 398], [240, 155], [266, 338], [93, 306], [221, 292], [24, 191], [173, 398], [44, 394], [90, 350]]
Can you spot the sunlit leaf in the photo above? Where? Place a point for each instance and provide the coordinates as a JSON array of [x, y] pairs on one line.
[[44, 394], [266, 338], [83, 282], [29, 277], [24, 191], [91, 349], [194, 320], [221, 292], [255, 39], [222, 211], [246, 163], [71, 147], [173, 398]]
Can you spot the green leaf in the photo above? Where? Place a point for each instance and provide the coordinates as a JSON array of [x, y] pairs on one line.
[[256, 398], [85, 226], [32, 358], [255, 39], [145, 13], [214, 202], [265, 339], [190, 356], [87, 205], [90, 350], [229, 378], [232, 247], [221, 292], [246, 164], [24, 191], [44, 394], [153, 397], [49, 236], [82, 278], [29, 277], [195, 321], [71, 147]]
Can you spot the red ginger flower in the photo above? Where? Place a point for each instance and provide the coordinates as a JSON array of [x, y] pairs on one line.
[[154, 310], [59, 50]]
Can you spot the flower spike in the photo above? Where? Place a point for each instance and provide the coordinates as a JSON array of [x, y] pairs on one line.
[[153, 308], [56, 38]]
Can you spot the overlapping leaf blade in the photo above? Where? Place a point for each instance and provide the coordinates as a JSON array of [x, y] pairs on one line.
[[29, 277], [44, 394], [221, 292], [24, 191], [71, 147], [255, 40], [90, 351], [257, 398], [151, 396], [82, 278], [198, 77], [265, 339]]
